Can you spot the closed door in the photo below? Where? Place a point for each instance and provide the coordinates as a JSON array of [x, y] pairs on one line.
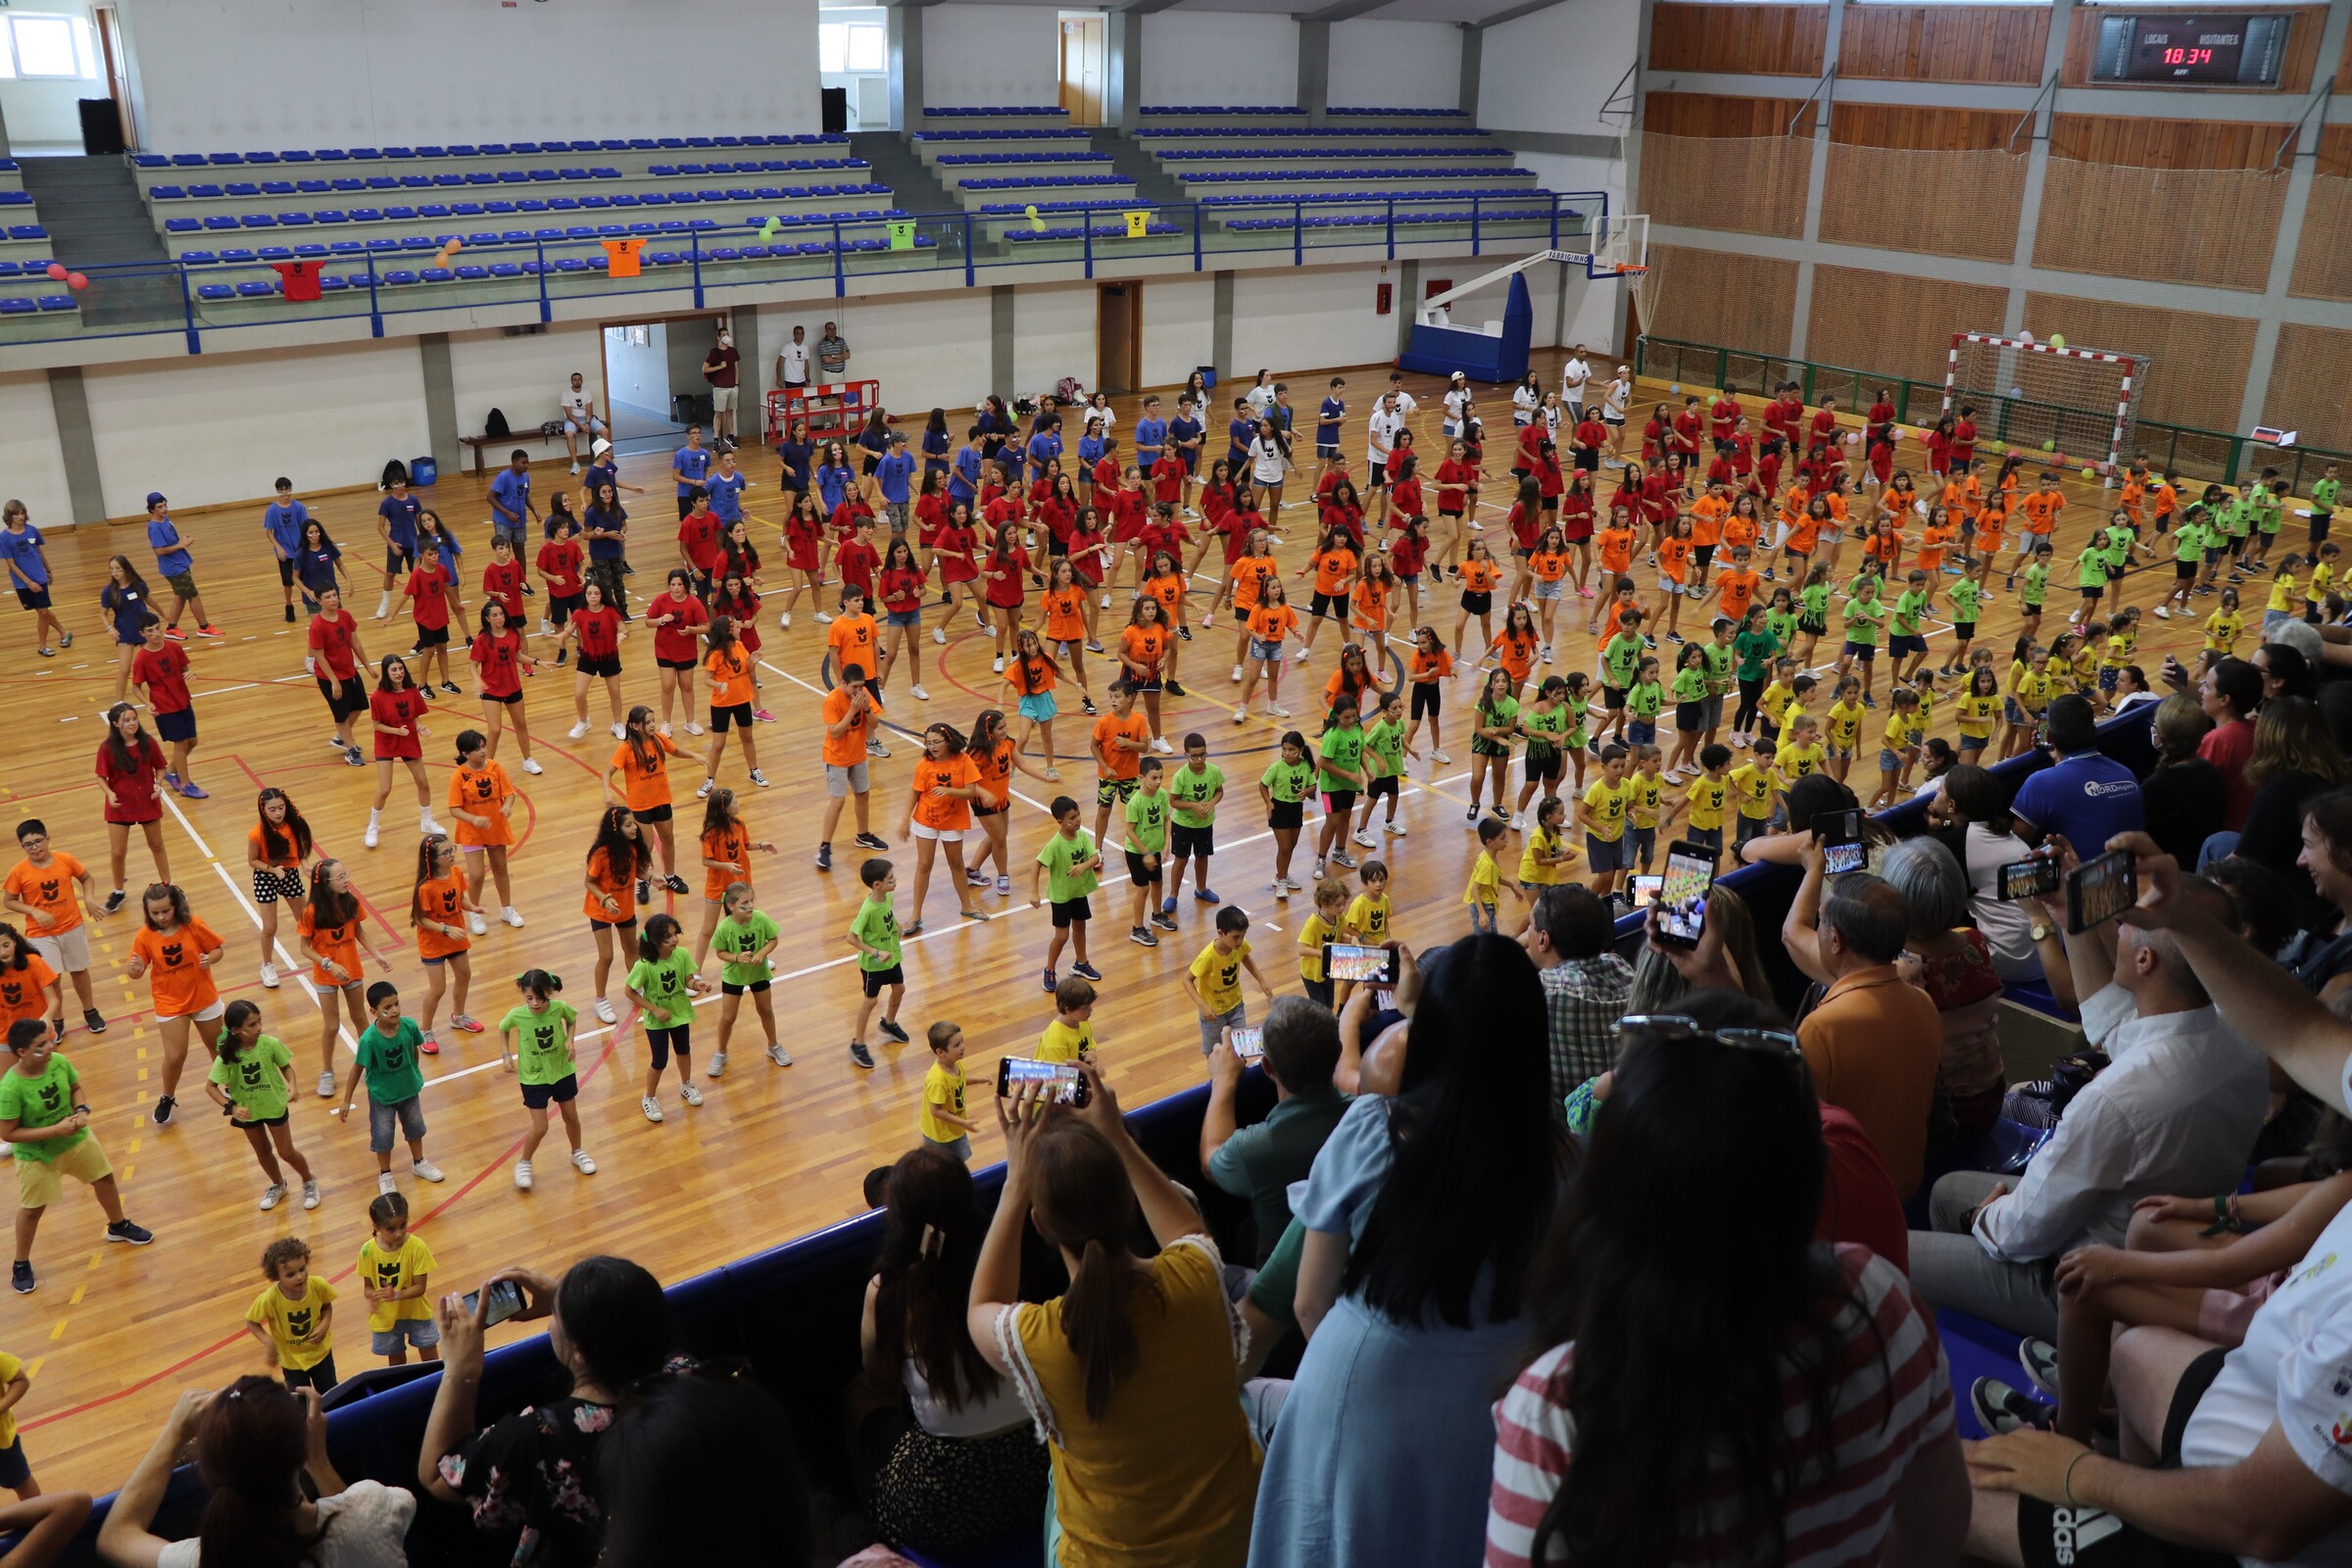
[[1084, 55], [1118, 338]]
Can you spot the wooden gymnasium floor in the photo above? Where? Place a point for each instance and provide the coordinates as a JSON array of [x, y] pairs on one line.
[[114, 1333]]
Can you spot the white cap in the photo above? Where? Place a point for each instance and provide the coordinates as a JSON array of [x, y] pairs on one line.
[[600, 447]]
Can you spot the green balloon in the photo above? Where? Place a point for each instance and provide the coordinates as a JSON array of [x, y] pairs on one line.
[[2049, 446]]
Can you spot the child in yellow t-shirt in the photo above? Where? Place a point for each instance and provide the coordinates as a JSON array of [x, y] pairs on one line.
[[1484, 894], [2224, 626], [1367, 918], [1846, 713], [2323, 578], [395, 1273], [1705, 799], [1331, 907], [1801, 752], [1069, 1037], [1900, 749], [294, 1319], [1607, 802], [1980, 704], [1753, 788], [942, 1122], [15, 1384], [1642, 816], [1542, 858]]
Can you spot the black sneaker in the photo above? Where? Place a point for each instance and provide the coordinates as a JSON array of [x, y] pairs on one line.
[[450, 686], [824, 856], [93, 1020], [868, 841], [163, 1109], [1086, 970], [1087, 702], [289, 615], [1184, 633], [1167, 922], [645, 890], [890, 1027], [674, 882], [19, 1277], [860, 1055], [123, 1230], [2001, 1409], [1142, 937], [1175, 688], [114, 902]]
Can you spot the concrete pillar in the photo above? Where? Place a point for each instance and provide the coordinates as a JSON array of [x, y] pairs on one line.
[[1409, 302], [1314, 70], [1124, 90], [2290, 233], [1000, 334], [78, 442], [1220, 332], [904, 41], [441, 406], [751, 377], [1800, 320], [2037, 168], [1473, 46]]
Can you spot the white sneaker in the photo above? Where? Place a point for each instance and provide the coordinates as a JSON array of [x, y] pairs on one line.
[[1162, 747], [997, 666], [326, 1086], [369, 838], [426, 1171], [576, 467], [692, 728], [430, 828], [384, 1182], [651, 1106], [824, 617], [939, 634], [717, 1069], [758, 778], [1299, 657], [511, 917], [663, 730], [269, 974], [309, 1195], [1236, 677], [704, 793], [620, 732], [1391, 827], [921, 695], [578, 731], [603, 1011], [1277, 710], [522, 1174], [530, 765], [475, 924], [547, 628], [1435, 756], [785, 620], [272, 1194], [1240, 716], [582, 1163], [779, 1055], [689, 1094], [1363, 836]]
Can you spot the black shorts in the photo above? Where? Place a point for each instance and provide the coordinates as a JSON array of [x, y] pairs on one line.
[[1068, 913], [1374, 789], [677, 663], [1964, 631], [876, 979], [1336, 801], [1545, 762], [1188, 842], [728, 987], [1327, 604], [648, 819], [505, 699], [659, 1043], [2095, 593], [563, 1092], [353, 700], [396, 559], [431, 637], [601, 664], [562, 607], [2048, 1535], [1612, 698], [179, 725], [1702, 554], [285, 573], [1139, 872], [14, 1470], [686, 504], [1476, 604], [278, 1120], [31, 599], [1689, 717], [738, 713], [1286, 813], [1426, 698], [2184, 570]]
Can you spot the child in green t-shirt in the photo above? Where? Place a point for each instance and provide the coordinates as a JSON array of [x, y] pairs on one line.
[[248, 1081], [387, 1059], [1193, 793], [534, 1041], [1070, 866], [1145, 837], [1341, 779], [42, 1118], [664, 983], [1283, 786], [1384, 761], [874, 933], [744, 939], [2032, 587]]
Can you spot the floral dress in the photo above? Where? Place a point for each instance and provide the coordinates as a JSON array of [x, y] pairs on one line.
[[532, 1476]]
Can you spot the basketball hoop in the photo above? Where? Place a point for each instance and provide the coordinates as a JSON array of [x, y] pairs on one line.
[[1628, 270]]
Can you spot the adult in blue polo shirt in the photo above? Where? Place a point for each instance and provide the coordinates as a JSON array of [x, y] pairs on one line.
[[282, 521], [2085, 797], [894, 474], [690, 465], [510, 506], [1150, 436]]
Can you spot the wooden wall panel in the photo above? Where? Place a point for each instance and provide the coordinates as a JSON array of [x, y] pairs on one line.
[[1707, 114], [2164, 143], [1745, 184], [2323, 258], [2294, 71], [2309, 391], [1751, 39], [2335, 145], [1922, 129], [1991, 44], [1893, 323], [1712, 296], [2191, 225], [2199, 362], [1934, 203]]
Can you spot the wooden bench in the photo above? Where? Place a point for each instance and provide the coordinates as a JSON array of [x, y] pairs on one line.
[[478, 443]]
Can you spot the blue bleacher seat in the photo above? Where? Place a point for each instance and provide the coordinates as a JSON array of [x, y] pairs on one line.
[[510, 268], [278, 187], [236, 256], [256, 290], [183, 226], [470, 272], [273, 253], [399, 277], [198, 259], [215, 291]]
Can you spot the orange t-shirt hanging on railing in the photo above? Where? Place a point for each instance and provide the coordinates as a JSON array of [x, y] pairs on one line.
[[620, 257]]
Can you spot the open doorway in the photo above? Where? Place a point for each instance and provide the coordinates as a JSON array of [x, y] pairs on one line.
[[1118, 338], [654, 383], [1085, 64]]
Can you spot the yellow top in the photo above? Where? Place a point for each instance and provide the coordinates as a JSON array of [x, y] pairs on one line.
[[1532, 872], [2282, 591], [1845, 722], [1977, 714], [1367, 919], [1751, 783], [1794, 761], [1649, 790], [2323, 577], [1219, 975], [2221, 629], [1312, 937], [1706, 797], [1605, 809], [1486, 887], [942, 1090], [1902, 732], [395, 1271], [11, 1369], [291, 1322], [1063, 1043]]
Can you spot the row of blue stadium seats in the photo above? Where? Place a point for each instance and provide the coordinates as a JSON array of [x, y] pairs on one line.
[[25, 269], [222, 222], [1242, 176], [1350, 152], [1221, 108], [1079, 231], [570, 265], [334, 155], [46, 302], [1401, 113], [1025, 158], [8, 166], [967, 111], [27, 231], [1022, 133], [1293, 133], [505, 176], [672, 229], [1379, 220], [1033, 181], [1321, 198], [15, 198]]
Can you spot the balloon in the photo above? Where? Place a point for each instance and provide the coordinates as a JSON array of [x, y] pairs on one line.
[[1676, 389], [2090, 473], [76, 280], [2049, 446], [2027, 338], [2057, 340], [56, 271], [767, 230], [1030, 213], [2018, 393], [1853, 438]]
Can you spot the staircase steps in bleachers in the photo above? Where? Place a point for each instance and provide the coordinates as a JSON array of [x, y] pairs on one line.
[[96, 218]]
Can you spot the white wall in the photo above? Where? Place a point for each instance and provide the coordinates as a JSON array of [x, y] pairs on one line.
[[1220, 57], [43, 111], [1553, 70], [1179, 323], [221, 427], [927, 350], [636, 376], [1399, 64], [1053, 336], [236, 74], [986, 55], [524, 377], [1314, 317], [36, 466]]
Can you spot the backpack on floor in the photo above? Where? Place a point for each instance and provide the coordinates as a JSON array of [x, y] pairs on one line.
[[495, 426], [395, 473]]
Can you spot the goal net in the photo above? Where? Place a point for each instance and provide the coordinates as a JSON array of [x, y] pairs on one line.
[[2070, 405]]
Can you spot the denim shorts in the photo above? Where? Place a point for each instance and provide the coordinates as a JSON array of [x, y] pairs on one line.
[[404, 1331], [1235, 1017], [409, 1114]]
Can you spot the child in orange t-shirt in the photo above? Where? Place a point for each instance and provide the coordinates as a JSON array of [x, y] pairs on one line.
[[1674, 547], [333, 932], [726, 846], [639, 776], [620, 855], [1334, 565], [438, 910], [1479, 577], [1269, 623], [1121, 739], [2040, 508], [1432, 666], [1031, 677], [482, 799], [939, 811], [729, 667], [1143, 644], [177, 952]]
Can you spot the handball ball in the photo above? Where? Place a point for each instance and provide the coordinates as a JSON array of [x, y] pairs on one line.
[[2049, 446], [2027, 338], [2057, 340], [56, 271]]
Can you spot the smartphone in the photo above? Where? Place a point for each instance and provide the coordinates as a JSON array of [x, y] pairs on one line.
[[1384, 1001], [1683, 894], [505, 1299], [1015, 1070], [1248, 1043], [1349, 960], [2037, 878], [1840, 835], [1646, 891], [2100, 890]]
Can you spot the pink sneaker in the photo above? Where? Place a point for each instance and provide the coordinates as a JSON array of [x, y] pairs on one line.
[[763, 716]]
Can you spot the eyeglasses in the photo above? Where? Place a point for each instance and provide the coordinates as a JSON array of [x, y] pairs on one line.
[[1643, 1026]]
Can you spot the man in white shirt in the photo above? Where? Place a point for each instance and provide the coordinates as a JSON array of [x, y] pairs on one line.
[[2176, 1111], [1572, 376], [792, 362], [1615, 399], [579, 418]]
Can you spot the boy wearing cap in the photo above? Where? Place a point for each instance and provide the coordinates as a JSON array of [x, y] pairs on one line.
[[895, 473], [604, 468], [178, 569]]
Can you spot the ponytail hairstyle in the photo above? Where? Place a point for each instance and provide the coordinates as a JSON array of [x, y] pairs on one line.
[[1083, 1204], [720, 636], [327, 907], [239, 1014], [540, 985], [651, 935], [988, 731], [429, 851], [251, 1445], [929, 1250], [294, 832]]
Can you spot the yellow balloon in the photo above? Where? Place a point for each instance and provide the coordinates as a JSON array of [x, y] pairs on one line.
[[2049, 446], [1030, 211], [2090, 473], [2057, 340]]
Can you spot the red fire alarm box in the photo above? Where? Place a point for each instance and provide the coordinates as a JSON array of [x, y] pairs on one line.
[[1383, 296]]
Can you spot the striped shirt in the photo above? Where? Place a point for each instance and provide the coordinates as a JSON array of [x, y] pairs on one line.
[[1831, 1522]]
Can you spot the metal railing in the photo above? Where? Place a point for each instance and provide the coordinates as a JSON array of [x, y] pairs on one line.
[[2176, 450], [389, 279]]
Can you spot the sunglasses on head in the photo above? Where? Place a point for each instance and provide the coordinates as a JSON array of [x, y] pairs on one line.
[[1643, 1026]]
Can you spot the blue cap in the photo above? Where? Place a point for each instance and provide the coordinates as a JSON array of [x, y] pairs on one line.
[[154, 498]]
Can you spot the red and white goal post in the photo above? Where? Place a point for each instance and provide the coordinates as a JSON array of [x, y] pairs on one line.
[[2047, 398]]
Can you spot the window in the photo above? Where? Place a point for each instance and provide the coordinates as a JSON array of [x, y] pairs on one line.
[[832, 46], [868, 47], [48, 46], [851, 46]]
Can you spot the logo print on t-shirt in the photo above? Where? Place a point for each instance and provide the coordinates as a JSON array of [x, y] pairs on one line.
[[298, 1323], [251, 1074], [482, 788], [546, 1034], [11, 993], [49, 891], [51, 1096], [387, 1274], [174, 952]]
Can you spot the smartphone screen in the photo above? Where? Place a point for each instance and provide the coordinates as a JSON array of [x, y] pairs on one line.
[[1248, 1043], [1012, 1071], [1347, 961], [2100, 890], [1646, 891], [2037, 878], [1840, 835], [1683, 896], [505, 1299]]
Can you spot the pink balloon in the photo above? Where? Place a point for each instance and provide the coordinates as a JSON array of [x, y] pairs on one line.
[[76, 280], [56, 271]]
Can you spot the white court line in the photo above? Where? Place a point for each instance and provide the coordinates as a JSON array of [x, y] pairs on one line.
[[301, 978]]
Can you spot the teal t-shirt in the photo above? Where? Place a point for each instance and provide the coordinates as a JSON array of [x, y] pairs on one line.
[[1754, 651], [257, 1078], [1342, 746], [877, 926], [41, 1101], [393, 1071], [543, 1039], [1190, 790], [662, 984], [735, 941], [1147, 822]]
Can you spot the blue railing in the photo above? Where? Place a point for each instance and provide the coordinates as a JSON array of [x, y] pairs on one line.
[[379, 280]]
